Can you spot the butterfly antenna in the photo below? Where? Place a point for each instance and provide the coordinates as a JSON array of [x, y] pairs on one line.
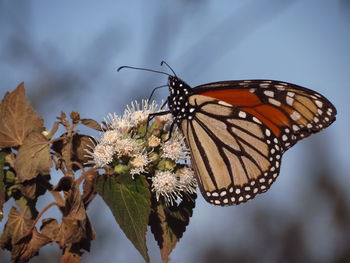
[[145, 69], [164, 104], [164, 63], [149, 99]]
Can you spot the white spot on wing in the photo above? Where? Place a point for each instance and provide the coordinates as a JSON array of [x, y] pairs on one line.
[[274, 102], [224, 103], [295, 115], [256, 120], [264, 85], [295, 128], [242, 114], [269, 93], [319, 103], [289, 100], [267, 132]]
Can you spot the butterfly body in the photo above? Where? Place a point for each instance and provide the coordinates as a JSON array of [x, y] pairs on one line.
[[237, 131], [178, 100]]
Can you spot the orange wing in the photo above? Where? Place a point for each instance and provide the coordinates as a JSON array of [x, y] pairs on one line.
[[291, 112]]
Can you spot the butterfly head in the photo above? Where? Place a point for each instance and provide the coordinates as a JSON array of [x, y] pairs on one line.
[[177, 86]]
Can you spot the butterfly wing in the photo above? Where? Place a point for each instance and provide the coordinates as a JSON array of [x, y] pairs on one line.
[[291, 112], [240, 130]]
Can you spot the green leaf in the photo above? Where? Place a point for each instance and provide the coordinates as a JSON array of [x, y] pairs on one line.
[[169, 223], [2, 184], [129, 201]]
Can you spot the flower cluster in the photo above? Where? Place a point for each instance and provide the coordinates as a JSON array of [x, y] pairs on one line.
[[133, 144]]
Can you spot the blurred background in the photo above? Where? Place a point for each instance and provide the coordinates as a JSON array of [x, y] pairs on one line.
[[67, 53]]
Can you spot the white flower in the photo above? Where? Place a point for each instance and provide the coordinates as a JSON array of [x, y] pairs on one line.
[[187, 181], [119, 124], [102, 154], [126, 147], [137, 113], [175, 148], [153, 141], [110, 137], [139, 163], [166, 184]]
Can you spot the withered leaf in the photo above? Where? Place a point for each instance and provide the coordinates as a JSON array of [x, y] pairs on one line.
[[50, 228], [91, 124], [71, 231], [17, 227], [74, 231], [90, 235], [81, 143], [33, 157], [74, 206], [17, 118], [28, 189], [89, 191], [169, 223], [31, 247], [32, 189], [129, 201], [2, 184]]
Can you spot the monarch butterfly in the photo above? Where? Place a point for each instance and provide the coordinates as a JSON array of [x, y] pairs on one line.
[[237, 131]]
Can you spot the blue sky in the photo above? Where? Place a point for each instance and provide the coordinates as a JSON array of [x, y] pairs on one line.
[[67, 54]]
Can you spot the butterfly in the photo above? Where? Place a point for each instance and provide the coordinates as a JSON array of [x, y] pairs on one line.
[[237, 131]]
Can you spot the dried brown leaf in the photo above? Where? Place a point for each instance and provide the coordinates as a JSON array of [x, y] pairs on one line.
[[89, 191], [32, 189], [28, 190], [33, 157], [71, 231], [32, 247], [74, 206], [17, 118], [77, 232], [50, 228], [17, 227], [53, 130], [91, 124], [75, 228], [81, 143]]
